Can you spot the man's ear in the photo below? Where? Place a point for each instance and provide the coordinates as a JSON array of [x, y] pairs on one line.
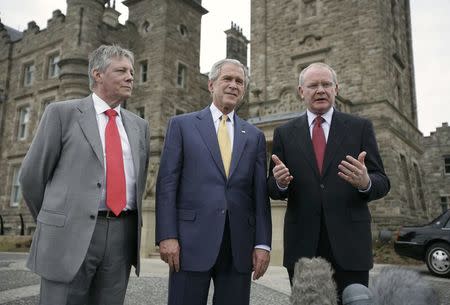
[[300, 92], [210, 86], [97, 75]]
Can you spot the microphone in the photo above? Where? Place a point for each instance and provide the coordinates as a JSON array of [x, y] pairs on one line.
[[357, 294], [401, 286], [313, 283]]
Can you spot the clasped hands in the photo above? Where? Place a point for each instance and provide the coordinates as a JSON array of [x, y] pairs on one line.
[[352, 170]]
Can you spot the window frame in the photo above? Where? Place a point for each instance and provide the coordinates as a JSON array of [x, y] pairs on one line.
[[16, 190], [23, 122], [29, 72], [181, 75], [53, 69]]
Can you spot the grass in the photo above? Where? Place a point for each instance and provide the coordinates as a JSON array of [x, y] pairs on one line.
[[383, 253], [10, 243]]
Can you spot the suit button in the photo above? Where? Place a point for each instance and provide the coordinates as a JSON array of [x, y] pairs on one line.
[[322, 186], [99, 184], [222, 212], [92, 217]]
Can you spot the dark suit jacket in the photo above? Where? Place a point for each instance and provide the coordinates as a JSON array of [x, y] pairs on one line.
[[193, 193], [62, 177], [345, 209]]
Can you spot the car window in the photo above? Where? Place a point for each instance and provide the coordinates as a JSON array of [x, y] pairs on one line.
[[447, 225]]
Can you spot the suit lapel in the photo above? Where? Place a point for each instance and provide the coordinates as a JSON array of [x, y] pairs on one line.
[[302, 137], [89, 126], [205, 127], [132, 131], [335, 137], [240, 139]]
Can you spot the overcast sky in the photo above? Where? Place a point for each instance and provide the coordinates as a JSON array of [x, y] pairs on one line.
[[431, 43]]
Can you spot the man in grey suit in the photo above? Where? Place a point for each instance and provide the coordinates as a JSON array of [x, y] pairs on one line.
[[83, 179]]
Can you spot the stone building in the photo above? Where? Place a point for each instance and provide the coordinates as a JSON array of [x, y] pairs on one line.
[[41, 66], [368, 42], [436, 166]]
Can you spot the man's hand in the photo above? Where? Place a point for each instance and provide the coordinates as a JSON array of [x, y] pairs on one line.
[[354, 171], [261, 259], [281, 172], [169, 251]]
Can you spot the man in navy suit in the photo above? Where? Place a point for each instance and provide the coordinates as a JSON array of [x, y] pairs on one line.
[[326, 163], [213, 217]]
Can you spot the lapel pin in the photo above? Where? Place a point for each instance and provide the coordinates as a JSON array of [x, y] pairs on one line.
[[243, 131]]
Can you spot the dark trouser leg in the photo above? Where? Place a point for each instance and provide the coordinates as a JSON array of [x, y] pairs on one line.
[[230, 286]]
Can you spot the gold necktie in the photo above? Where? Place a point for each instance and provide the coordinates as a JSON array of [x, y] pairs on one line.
[[224, 144]]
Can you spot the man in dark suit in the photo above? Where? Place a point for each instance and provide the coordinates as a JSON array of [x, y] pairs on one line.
[[83, 179], [326, 163], [213, 217]]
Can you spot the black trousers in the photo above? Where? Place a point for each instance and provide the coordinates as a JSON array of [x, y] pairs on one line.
[[342, 277]]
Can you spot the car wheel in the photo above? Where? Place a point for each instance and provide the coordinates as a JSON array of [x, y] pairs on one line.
[[438, 259]]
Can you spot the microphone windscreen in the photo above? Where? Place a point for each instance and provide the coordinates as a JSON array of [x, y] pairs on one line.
[[313, 283], [357, 294], [399, 286]]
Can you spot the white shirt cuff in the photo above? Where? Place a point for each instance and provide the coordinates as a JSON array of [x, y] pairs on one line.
[[281, 188], [264, 247], [367, 189]]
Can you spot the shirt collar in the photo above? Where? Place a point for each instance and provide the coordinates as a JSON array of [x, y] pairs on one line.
[[326, 116], [217, 114], [101, 106]]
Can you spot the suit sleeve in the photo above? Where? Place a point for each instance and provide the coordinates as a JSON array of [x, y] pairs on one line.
[[167, 183], [262, 202], [380, 182], [277, 149], [41, 159]]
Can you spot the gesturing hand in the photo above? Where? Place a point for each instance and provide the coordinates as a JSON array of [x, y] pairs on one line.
[[354, 171], [281, 172]]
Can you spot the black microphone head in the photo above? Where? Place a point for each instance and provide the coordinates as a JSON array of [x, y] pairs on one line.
[[357, 294], [313, 283], [400, 286]]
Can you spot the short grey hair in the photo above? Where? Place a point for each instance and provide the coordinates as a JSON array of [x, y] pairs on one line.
[[301, 77], [100, 59], [215, 69]]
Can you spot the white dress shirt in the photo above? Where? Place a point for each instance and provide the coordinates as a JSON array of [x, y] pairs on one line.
[[327, 116], [102, 120]]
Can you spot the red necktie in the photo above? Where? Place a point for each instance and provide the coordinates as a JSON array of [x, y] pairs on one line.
[[318, 140], [115, 174]]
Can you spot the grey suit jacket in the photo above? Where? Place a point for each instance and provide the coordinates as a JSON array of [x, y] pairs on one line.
[[62, 177]]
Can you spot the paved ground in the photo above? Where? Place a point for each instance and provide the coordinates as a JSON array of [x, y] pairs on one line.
[[20, 287]]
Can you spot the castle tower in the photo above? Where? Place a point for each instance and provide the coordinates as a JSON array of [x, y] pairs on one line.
[[167, 78], [368, 43], [236, 44], [83, 18]]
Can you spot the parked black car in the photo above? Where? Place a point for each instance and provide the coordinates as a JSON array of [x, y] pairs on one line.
[[429, 243]]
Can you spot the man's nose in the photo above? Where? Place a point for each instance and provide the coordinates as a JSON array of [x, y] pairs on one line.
[[233, 84]]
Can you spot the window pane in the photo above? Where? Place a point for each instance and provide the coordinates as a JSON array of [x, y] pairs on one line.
[[181, 76], [447, 165], [28, 76], [144, 71], [16, 193], [24, 119], [53, 68]]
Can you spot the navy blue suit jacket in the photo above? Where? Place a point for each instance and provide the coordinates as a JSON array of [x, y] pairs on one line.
[[193, 195]]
